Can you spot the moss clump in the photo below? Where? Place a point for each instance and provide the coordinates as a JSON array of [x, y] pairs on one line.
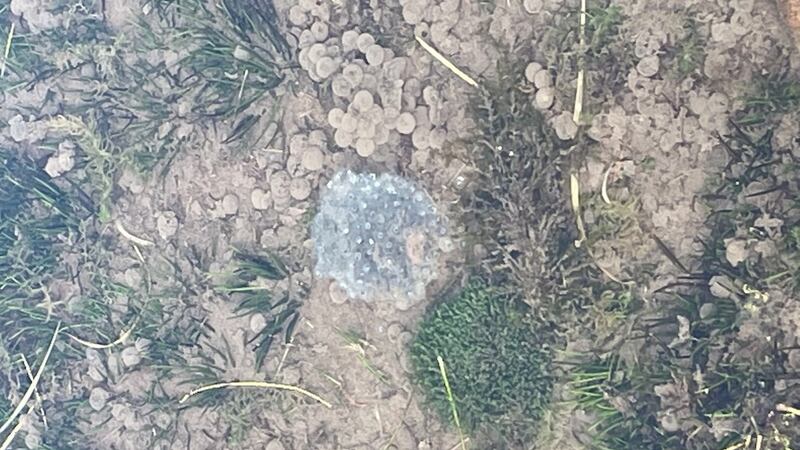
[[497, 365]]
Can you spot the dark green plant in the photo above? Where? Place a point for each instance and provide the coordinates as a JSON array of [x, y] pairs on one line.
[[241, 56], [602, 387], [281, 308], [770, 97], [498, 363], [687, 53]]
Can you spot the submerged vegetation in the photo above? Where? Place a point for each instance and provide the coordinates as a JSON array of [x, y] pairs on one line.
[[498, 363], [703, 361]]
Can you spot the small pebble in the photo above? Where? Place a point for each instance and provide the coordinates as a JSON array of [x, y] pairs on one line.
[[421, 137], [260, 199], [707, 310], [543, 79], [297, 16], [335, 117], [275, 445], [545, 98], [167, 224], [306, 39], [131, 357], [341, 87], [565, 127], [353, 74], [648, 66], [405, 123], [364, 41], [531, 70], [230, 204], [320, 31], [325, 67], [375, 55], [343, 138], [98, 398], [349, 40], [349, 123], [313, 159], [257, 322], [365, 147], [316, 52], [533, 6], [363, 101], [300, 189]]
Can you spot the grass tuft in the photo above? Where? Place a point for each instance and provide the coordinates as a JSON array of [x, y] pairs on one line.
[[498, 368]]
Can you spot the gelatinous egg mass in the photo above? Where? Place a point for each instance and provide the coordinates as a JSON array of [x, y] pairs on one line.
[[378, 236]]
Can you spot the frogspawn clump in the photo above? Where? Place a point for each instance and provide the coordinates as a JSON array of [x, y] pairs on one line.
[[378, 237]]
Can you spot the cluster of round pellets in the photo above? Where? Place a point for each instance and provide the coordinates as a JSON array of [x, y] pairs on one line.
[[319, 58], [542, 80], [365, 124], [320, 55], [378, 96], [378, 237]]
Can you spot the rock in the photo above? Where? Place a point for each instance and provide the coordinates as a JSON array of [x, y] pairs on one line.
[[297, 16], [319, 30], [260, 200], [300, 189], [363, 101], [325, 67], [167, 224], [364, 41], [565, 127], [313, 159], [343, 138], [257, 322], [341, 87], [545, 98], [98, 398], [736, 251], [353, 74], [131, 356], [349, 40], [375, 55], [365, 147], [279, 186], [230, 204], [335, 117], [274, 445], [421, 137], [533, 6], [707, 310], [543, 79], [648, 66], [62, 161], [531, 70]]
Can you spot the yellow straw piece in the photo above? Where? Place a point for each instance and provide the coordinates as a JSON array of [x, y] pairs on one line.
[[788, 409], [256, 384], [435, 53], [120, 340], [452, 402], [132, 238], [575, 200], [578, 110], [8, 49]]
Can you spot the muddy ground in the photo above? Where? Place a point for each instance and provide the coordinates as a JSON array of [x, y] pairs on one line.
[[653, 121]]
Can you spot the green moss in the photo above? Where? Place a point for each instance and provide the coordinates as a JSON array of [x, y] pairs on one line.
[[498, 365]]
